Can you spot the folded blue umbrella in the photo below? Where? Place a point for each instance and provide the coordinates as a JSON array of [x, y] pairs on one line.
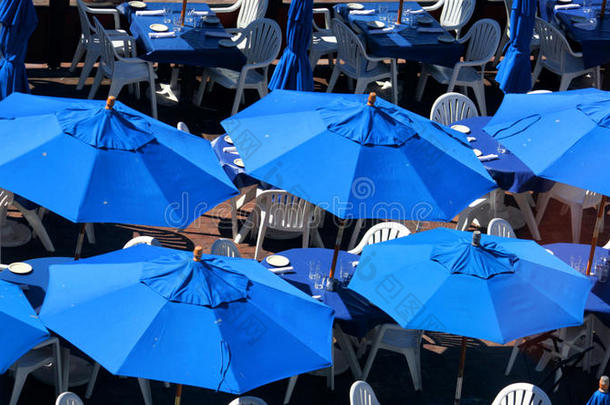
[[222, 323], [92, 164], [357, 160], [563, 136], [500, 290], [18, 21], [21, 329]]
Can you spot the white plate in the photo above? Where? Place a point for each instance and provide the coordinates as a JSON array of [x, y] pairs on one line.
[[278, 260], [211, 20], [137, 4], [375, 24], [461, 128], [226, 43], [446, 39], [564, 1], [158, 27], [355, 6], [238, 163], [477, 152], [19, 268], [228, 140]]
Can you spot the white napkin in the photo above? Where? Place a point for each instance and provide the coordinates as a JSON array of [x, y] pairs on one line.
[[399, 39], [586, 25], [229, 149], [209, 12], [421, 10], [362, 12], [430, 29], [486, 158], [386, 30], [170, 34], [471, 138], [150, 12], [566, 6], [218, 34], [282, 270]]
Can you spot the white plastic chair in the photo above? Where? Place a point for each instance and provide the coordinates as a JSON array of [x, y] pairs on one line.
[[353, 61], [6, 199], [247, 401], [90, 43], [183, 127], [361, 393], [68, 398], [380, 233], [224, 247], [534, 42], [323, 42], [35, 221], [142, 382], [557, 56], [576, 199], [452, 107], [261, 41], [482, 39], [42, 355], [122, 70], [500, 227], [456, 14], [249, 11], [521, 394], [142, 240], [398, 340]]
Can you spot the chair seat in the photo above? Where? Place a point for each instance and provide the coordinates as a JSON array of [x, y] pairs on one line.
[[571, 65], [400, 338], [442, 74], [375, 71], [230, 78], [33, 358], [133, 71]]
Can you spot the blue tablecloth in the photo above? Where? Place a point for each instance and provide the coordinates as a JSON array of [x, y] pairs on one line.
[[190, 47], [595, 44], [236, 174], [576, 255], [421, 47], [354, 313], [507, 170]]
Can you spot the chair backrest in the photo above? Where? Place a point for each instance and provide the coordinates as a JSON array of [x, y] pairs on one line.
[[247, 401], [361, 393], [142, 240], [508, 6], [553, 45], [107, 59], [183, 127], [483, 40], [68, 398], [251, 10], [500, 227], [395, 336], [521, 394], [284, 211], [350, 49], [85, 23], [262, 42], [452, 107], [456, 14], [6, 199], [380, 233], [224, 247]]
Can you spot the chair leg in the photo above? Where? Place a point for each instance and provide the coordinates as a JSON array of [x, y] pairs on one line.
[[262, 229], [543, 202], [479, 94], [153, 93], [20, 376], [421, 84], [411, 356], [96, 83], [145, 388], [537, 68], [576, 215], [90, 60], [239, 93], [526, 211], [333, 79], [513, 357], [316, 239], [90, 230], [291, 383], [598, 78], [566, 79], [92, 380], [78, 54], [198, 98], [355, 234], [34, 220], [394, 82]]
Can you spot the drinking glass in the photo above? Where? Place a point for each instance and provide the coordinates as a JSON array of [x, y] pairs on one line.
[[501, 149], [319, 283], [313, 269], [176, 22], [167, 15], [190, 18], [382, 10], [345, 273]]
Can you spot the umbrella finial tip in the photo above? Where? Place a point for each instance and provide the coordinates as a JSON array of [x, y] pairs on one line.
[[476, 238], [372, 99], [197, 252], [110, 102]]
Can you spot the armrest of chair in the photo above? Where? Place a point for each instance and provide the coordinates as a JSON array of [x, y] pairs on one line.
[[50, 341], [326, 13], [435, 6], [107, 11], [233, 7]]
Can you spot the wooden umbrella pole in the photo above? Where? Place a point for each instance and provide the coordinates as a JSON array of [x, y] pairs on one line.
[[460, 377], [601, 15], [333, 265], [183, 12], [598, 220], [400, 4], [197, 252], [80, 241]]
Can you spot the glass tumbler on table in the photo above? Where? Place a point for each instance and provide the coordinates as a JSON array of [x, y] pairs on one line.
[[167, 15], [382, 11], [176, 22]]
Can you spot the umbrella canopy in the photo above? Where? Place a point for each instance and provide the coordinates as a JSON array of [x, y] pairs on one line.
[[358, 160], [293, 71], [21, 329], [89, 163], [18, 21], [500, 290], [514, 72], [563, 136], [222, 323]]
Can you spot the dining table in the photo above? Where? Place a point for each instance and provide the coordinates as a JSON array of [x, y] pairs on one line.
[[593, 38], [417, 42]]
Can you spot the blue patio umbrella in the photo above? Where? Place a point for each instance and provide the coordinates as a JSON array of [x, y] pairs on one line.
[[222, 323], [293, 71], [495, 288], [514, 72], [91, 163], [21, 329], [18, 21]]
